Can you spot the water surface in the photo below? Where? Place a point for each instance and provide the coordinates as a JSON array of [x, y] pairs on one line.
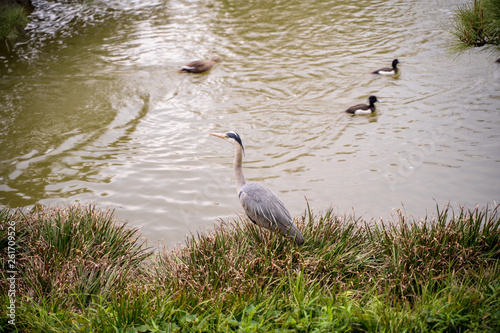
[[92, 109]]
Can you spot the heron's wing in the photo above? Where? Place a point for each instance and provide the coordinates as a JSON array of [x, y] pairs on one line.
[[265, 208]]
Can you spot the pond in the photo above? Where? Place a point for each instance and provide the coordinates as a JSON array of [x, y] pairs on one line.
[[93, 110]]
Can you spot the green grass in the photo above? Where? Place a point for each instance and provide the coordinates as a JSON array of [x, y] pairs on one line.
[[476, 24], [64, 256], [82, 271], [12, 20]]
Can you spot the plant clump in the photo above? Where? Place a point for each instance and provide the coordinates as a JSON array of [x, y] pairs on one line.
[[477, 24], [66, 255], [13, 19]]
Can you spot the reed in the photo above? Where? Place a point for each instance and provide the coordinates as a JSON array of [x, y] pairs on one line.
[[12, 20], [476, 24], [433, 250]]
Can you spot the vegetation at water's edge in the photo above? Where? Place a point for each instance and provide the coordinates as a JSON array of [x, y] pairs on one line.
[[13, 19], [79, 270], [477, 24]]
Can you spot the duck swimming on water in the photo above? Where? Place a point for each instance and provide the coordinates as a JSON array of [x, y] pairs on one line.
[[363, 108], [388, 70], [200, 66]]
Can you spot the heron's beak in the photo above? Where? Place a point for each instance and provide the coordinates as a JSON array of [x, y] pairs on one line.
[[222, 136]]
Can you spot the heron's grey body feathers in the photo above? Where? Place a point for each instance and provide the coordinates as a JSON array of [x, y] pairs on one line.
[[266, 210]]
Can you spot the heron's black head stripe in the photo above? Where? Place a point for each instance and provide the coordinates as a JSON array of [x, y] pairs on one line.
[[235, 136]]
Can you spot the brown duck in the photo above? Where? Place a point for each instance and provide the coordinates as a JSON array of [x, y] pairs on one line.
[[200, 66]]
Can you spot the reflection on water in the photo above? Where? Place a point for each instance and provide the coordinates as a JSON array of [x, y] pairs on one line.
[[93, 109]]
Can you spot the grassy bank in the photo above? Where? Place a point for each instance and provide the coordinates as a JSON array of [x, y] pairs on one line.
[[81, 271]]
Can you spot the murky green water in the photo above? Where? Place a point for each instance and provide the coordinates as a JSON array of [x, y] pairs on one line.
[[93, 110]]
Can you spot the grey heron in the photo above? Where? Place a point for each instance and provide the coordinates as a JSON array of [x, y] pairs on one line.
[[363, 108], [262, 206], [200, 66]]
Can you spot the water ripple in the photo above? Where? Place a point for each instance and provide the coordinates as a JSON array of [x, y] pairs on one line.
[[101, 114]]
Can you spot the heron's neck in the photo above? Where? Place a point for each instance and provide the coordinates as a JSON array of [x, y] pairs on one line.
[[238, 170]]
